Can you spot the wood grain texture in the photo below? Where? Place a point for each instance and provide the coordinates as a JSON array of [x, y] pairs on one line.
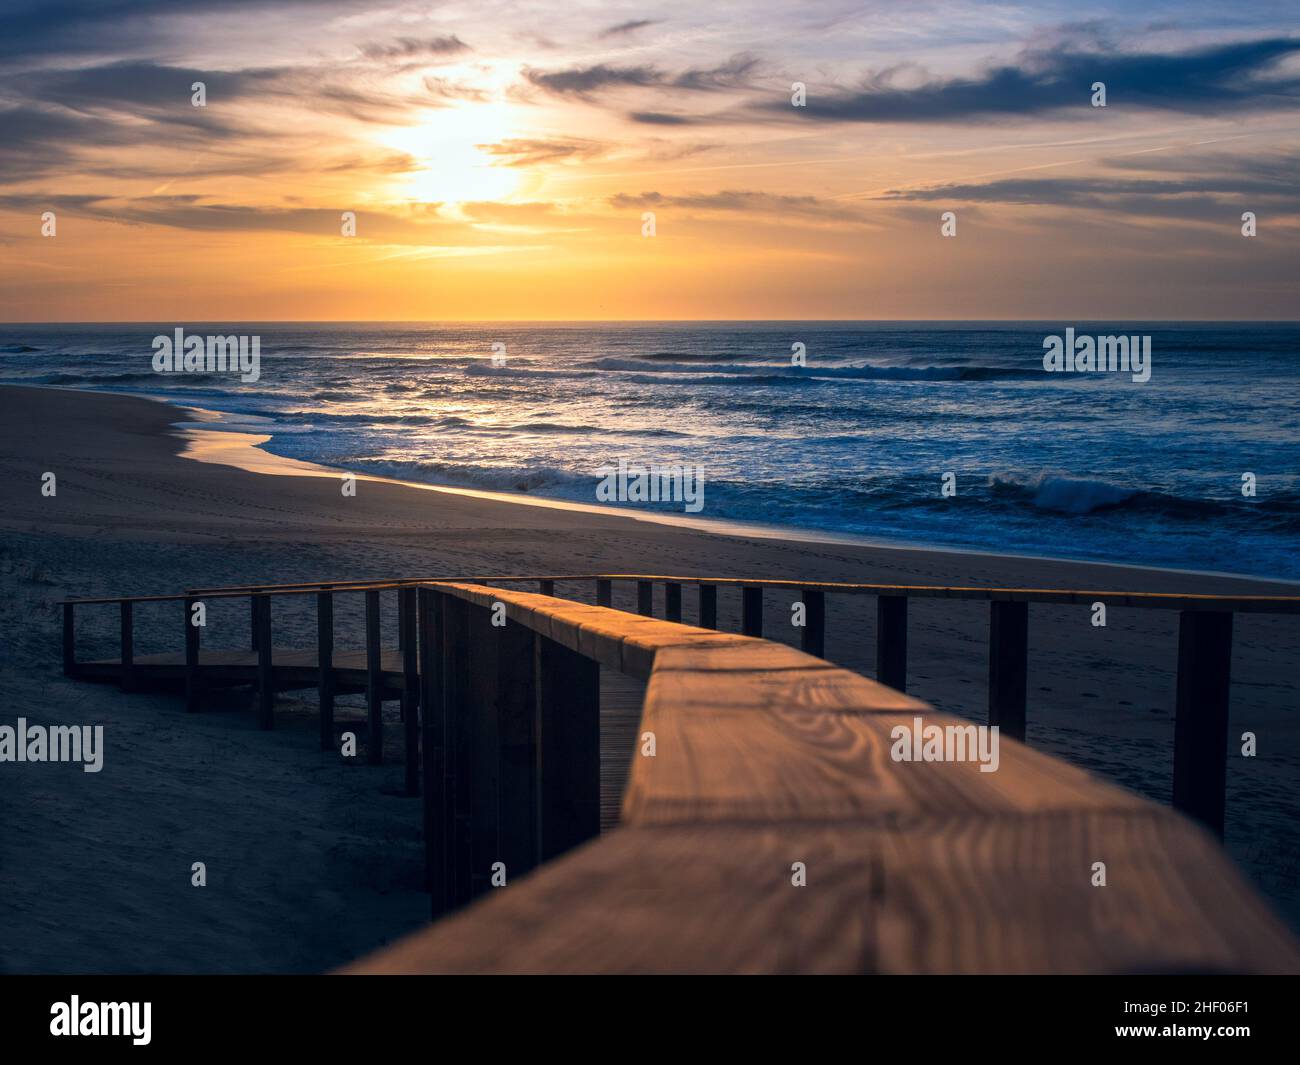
[[937, 895]]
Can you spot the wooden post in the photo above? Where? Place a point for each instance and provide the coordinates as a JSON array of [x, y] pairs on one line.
[[410, 688], [604, 592], [69, 640], [1008, 666], [265, 676], [708, 606], [436, 803], [517, 761], [673, 601], [645, 598], [891, 641], [814, 628], [325, 662], [191, 658], [568, 747], [1201, 721], [374, 681], [751, 611], [457, 707], [479, 703], [546, 587], [254, 612], [127, 679]]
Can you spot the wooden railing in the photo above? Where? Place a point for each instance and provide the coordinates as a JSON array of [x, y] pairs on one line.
[[765, 826], [1203, 656]]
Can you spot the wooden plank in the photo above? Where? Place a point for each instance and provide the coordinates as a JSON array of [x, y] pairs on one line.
[[1201, 717], [673, 601], [813, 637], [751, 610], [265, 664], [818, 743], [437, 797], [69, 639], [1268, 604], [406, 599], [933, 896], [127, 630], [568, 741], [192, 681], [325, 666], [1008, 666], [518, 753], [458, 706], [708, 606], [1276, 604], [374, 682], [479, 701], [891, 641], [621, 697]]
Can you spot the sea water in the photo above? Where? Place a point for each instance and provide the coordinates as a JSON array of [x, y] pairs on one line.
[[858, 440]]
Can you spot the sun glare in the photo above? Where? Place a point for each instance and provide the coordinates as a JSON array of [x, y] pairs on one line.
[[453, 168]]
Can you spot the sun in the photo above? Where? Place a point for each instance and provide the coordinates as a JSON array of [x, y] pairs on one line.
[[452, 167]]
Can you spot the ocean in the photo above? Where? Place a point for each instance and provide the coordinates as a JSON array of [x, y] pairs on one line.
[[859, 440]]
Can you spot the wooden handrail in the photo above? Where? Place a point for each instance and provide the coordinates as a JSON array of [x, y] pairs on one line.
[[1204, 647], [769, 828], [1267, 604]]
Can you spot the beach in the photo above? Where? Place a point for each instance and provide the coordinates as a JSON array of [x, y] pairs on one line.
[[312, 861]]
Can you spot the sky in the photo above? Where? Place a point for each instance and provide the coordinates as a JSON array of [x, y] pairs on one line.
[[656, 160]]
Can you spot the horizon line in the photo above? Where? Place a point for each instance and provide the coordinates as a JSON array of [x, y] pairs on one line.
[[654, 321]]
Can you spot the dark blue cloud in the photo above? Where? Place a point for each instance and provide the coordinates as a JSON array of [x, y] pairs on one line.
[[35, 29], [1225, 78]]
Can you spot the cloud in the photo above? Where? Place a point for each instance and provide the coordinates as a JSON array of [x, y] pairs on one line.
[[744, 201], [422, 225], [55, 118], [530, 151], [622, 29], [659, 118], [415, 48], [139, 89], [1209, 189], [1222, 79], [734, 73], [585, 81], [35, 29], [581, 81], [455, 90]]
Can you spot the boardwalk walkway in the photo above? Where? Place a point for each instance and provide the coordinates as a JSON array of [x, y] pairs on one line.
[[620, 696]]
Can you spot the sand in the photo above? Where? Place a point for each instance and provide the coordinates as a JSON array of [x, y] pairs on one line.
[[311, 860]]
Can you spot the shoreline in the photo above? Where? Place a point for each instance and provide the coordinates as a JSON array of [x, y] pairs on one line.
[[133, 516], [244, 450]]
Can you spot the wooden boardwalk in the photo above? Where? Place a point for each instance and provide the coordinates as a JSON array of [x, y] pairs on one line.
[[774, 827], [620, 695]]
